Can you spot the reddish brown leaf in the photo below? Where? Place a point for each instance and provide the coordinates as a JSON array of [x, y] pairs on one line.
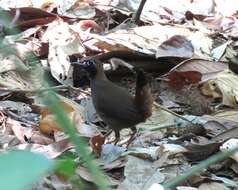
[[176, 46], [96, 143], [86, 24], [27, 17], [190, 16], [178, 80], [48, 123]]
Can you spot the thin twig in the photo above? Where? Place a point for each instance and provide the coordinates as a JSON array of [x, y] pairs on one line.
[[170, 184], [171, 112], [136, 17], [60, 87], [80, 90]]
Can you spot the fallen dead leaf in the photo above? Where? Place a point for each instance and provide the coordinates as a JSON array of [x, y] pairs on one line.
[[177, 46], [178, 80], [208, 69], [51, 151], [63, 42], [140, 174], [111, 153], [48, 123], [212, 186], [27, 134], [224, 86], [96, 143], [84, 173]]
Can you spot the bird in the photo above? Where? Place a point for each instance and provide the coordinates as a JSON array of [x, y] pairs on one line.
[[114, 104]]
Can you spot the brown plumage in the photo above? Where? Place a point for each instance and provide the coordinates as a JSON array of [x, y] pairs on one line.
[[117, 107]]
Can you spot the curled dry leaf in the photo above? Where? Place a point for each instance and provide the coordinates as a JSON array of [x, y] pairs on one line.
[[31, 17], [96, 143], [89, 25], [177, 46], [15, 73], [26, 134], [85, 174], [149, 153], [76, 9], [48, 123], [51, 151], [225, 86], [197, 152], [208, 69], [63, 42]]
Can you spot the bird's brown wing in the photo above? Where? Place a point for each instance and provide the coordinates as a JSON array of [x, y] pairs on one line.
[[143, 96], [115, 102]]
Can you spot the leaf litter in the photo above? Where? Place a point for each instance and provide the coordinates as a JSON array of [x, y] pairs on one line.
[[185, 48]]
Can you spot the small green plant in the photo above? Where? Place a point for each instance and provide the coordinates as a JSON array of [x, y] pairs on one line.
[[21, 169], [11, 163]]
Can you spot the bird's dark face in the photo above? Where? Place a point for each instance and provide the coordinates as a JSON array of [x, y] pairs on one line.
[[93, 67], [89, 65]]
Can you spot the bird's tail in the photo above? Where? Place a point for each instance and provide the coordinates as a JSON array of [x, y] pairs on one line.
[[143, 96]]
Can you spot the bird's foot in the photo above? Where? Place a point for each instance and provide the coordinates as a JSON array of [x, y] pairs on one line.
[[133, 135], [130, 140], [114, 141]]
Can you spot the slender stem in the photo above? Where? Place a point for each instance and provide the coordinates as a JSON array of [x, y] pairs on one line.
[[52, 101], [136, 17], [80, 145], [60, 87], [173, 113], [198, 168]]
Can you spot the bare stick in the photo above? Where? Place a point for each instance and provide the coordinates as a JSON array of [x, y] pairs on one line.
[[56, 88], [136, 17], [171, 112]]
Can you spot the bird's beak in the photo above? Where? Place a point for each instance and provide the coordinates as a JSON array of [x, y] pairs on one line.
[[77, 63], [83, 63]]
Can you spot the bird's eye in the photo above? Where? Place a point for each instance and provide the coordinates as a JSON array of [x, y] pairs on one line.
[[88, 62]]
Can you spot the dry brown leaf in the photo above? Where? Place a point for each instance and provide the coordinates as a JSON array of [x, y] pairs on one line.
[[48, 123], [177, 46], [51, 151], [96, 143], [212, 186], [225, 86], [208, 69], [227, 115], [197, 152], [178, 80], [63, 42]]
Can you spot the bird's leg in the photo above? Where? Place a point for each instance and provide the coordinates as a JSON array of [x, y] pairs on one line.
[[117, 135], [134, 131], [108, 133]]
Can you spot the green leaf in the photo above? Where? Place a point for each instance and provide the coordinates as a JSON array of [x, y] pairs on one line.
[[66, 167], [21, 169]]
